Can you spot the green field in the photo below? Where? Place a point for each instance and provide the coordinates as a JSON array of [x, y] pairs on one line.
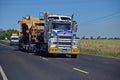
[[101, 47]]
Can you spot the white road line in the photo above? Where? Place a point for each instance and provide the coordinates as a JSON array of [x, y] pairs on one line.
[[81, 70], [44, 58], [6, 45], [2, 73], [105, 62]]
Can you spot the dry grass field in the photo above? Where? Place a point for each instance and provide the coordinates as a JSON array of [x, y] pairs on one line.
[[101, 47]]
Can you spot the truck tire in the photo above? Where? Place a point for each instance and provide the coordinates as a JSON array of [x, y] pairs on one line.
[[74, 55], [28, 50]]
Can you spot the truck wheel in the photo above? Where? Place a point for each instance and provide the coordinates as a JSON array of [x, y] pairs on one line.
[[74, 55], [37, 52], [10, 44], [28, 50], [47, 54]]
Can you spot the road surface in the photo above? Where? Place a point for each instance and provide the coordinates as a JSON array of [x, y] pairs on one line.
[[18, 65]]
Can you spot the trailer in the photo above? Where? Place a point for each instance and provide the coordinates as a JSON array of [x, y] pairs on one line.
[[28, 31]]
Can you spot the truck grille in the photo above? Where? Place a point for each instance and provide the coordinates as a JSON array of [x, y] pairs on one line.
[[65, 37], [65, 43], [64, 40]]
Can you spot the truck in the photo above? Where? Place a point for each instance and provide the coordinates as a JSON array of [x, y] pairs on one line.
[[60, 35], [14, 39], [28, 30], [55, 34]]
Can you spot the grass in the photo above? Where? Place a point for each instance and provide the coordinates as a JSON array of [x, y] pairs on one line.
[[101, 47], [7, 41]]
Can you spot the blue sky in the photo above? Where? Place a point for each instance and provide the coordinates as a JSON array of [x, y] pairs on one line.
[[94, 17]]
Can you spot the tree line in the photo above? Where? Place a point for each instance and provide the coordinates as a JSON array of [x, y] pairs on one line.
[[99, 37], [7, 33]]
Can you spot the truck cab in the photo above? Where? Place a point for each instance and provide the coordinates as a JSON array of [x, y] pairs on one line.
[[60, 35]]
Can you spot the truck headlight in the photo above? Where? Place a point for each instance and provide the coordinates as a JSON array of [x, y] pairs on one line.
[[76, 43], [52, 45], [53, 39]]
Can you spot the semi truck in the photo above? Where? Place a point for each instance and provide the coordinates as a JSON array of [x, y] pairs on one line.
[[56, 34], [60, 35]]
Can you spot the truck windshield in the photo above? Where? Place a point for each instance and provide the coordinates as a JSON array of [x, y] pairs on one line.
[[14, 38], [61, 26]]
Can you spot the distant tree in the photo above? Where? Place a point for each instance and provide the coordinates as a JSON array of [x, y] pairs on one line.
[[98, 37], [83, 37], [111, 38], [7, 33], [3, 35], [91, 37], [1, 30], [105, 38], [116, 38], [86, 38]]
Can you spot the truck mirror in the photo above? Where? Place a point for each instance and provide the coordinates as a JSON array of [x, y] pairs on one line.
[[49, 33]]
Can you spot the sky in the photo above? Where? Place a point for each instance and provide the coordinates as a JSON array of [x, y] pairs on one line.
[[94, 17]]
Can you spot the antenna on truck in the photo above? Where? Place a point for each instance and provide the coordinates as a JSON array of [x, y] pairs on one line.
[[72, 17]]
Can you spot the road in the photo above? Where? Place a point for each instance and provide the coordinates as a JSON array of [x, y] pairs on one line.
[[18, 65]]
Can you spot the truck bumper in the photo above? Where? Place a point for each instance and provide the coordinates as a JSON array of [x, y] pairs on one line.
[[64, 51], [14, 43]]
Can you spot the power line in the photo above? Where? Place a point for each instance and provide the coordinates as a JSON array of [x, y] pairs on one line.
[[104, 18]]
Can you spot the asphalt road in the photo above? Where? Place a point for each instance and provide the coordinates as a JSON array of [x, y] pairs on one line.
[[18, 65]]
